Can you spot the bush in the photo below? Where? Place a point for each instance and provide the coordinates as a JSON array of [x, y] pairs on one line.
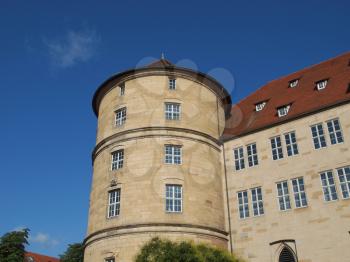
[[158, 250]]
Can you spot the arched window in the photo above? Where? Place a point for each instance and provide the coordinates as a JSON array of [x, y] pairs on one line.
[[286, 255]]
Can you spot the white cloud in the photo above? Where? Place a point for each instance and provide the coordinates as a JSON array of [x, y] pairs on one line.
[[73, 48], [43, 239]]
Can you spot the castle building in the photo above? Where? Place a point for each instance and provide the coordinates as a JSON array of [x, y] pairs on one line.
[[267, 178]]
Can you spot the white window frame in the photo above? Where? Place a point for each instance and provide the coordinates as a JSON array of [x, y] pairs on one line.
[[321, 84], [284, 196], [344, 181], [173, 154], [114, 203], [260, 106], [117, 159], [291, 143], [120, 116], [275, 149], [293, 83], [335, 131], [238, 155], [171, 199], [318, 136], [257, 201], [252, 153], [172, 84], [243, 204], [300, 198], [283, 110], [327, 185], [172, 111]]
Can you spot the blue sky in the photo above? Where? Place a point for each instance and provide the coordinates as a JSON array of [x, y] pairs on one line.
[[53, 55]]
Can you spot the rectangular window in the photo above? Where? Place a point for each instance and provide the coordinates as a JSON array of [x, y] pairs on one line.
[[252, 155], [120, 116], [117, 159], [276, 145], [110, 259], [173, 198], [318, 136], [239, 158], [344, 180], [291, 143], [173, 154], [328, 186], [243, 204], [257, 201], [122, 90], [172, 111], [321, 84], [114, 203], [283, 195], [172, 84], [335, 133], [299, 192], [283, 111]]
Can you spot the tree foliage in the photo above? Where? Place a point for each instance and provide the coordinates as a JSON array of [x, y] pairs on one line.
[[158, 250], [74, 253], [12, 246]]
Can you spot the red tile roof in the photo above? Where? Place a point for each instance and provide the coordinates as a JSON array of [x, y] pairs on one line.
[[39, 258], [304, 98]]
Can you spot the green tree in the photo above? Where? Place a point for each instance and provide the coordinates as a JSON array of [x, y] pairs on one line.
[[74, 253], [158, 250], [12, 246]]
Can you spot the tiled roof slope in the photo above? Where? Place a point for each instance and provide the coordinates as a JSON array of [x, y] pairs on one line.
[[160, 63], [304, 98], [39, 258]]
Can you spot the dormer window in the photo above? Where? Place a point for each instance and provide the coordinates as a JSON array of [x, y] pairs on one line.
[[283, 111], [260, 106], [293, 83], [321, 84]]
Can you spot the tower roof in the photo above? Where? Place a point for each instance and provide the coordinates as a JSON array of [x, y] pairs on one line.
[[160, 63]]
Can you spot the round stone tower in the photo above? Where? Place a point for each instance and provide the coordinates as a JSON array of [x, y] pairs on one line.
[[157, 164]]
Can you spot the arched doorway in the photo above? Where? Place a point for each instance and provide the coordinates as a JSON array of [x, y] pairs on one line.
[[286, 255]]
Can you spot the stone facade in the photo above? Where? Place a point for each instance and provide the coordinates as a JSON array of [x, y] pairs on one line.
[[210, 183]]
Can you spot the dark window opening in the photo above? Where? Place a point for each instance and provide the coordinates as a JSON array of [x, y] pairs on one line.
[[286, 255]]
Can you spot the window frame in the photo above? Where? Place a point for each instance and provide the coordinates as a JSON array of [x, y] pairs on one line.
[[260, 209], [335, 132], [122, 90], [120, 120], [292, 145], [328, 186], [283, 110], [244, 205], [172, 156], [318, 137], [172, 115], [298, 192], [260, 106], [110, 259], [173, 198], [284, 196], [293, 83], [322, 84], [346, 181], [253, 158], [117, 163], [280, 154], [115, 206], [172, 84], [239, 161]]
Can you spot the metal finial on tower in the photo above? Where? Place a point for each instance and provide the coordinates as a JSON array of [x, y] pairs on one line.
[[162, 56]]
